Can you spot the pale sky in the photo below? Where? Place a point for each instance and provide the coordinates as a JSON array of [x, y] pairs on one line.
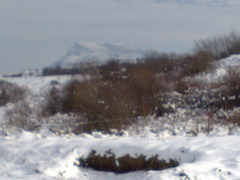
[[36, 33]]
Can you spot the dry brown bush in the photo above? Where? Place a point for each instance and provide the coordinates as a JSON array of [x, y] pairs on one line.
[[54, 102], [145, 87], [186, 86], [104, 104], [163, 62], [229, 89], [10, 93], [234, 119], [109, 103], [196, 63], [124, 164], [110, 71], [232, 82], [219, 46]]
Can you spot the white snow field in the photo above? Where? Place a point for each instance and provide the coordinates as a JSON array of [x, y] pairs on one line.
[[44, 155]]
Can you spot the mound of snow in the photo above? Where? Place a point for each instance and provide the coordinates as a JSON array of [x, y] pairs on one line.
[[221, 69], [231, 61]]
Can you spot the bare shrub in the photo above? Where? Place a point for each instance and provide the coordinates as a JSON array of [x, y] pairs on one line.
[[103, 104], [189, 63], [233, 82], [111, 103], [111, 70], [197, 63], [84, 98], [53, 102], [58, 70], [219, 46], [229, 117], [145, 87], [123, 164], [10, 93], [209, 122], [161, 62], [234, 119], [181, 86], [97, 101], [188, 85]]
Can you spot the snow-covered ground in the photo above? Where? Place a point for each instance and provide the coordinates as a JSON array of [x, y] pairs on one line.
[[37, 84], [44, 155], [221, 69]]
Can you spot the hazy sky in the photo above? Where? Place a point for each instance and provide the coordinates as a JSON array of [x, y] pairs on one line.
[[36, 33]]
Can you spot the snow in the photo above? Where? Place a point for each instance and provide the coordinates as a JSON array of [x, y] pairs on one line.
[[34, 155], [221, 69], [39, 84], [44, 155]]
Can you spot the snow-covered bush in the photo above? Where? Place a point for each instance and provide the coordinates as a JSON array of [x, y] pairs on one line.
[[22, 116], [193, 97], [25, 115], [228, 116], [66, 123]]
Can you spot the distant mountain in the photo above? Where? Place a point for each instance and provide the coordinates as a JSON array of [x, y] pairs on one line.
[[82, 52]]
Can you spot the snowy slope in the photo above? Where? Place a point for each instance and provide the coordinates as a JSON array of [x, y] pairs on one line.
[[92, 52], [221, 69], [38, 84]]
